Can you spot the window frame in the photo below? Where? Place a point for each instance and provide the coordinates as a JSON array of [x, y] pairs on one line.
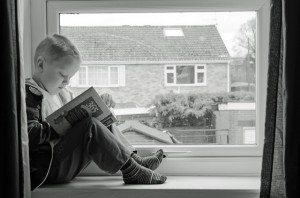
[[196, 71], [192, 160]]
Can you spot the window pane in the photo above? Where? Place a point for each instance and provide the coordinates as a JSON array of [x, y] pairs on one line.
[[114, 75], [170, 78], [82, 76], [185, 74], [200, 77], [98, 75], [173, 32], [249, 136], [196, 51]]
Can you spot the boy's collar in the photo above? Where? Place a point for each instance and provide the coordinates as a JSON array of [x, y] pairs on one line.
[[34, 87], [31, 82]]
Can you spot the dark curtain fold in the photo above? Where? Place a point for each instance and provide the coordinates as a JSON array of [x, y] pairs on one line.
[[280, 175], [291, 96], [12, 168]]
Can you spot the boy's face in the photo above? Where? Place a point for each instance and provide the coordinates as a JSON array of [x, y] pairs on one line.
[[54, 75]]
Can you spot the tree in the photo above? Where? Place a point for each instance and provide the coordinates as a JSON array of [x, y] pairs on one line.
[[245, 40], [245, 47]]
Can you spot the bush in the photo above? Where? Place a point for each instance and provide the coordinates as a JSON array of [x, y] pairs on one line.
[[177, 110], [174, 110]]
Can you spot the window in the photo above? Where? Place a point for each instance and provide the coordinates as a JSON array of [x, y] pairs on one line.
[[173, 32], [99, 76], [229, 155], [172, 85], [185, 75], [249, 135], [82, 76]]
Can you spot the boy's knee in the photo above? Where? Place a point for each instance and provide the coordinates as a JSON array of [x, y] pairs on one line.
[[90, 120], [95, 122]]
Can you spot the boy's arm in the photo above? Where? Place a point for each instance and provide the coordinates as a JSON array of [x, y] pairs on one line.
[[38, 131]]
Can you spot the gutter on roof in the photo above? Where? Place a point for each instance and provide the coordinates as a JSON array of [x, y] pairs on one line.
[[154, 62]]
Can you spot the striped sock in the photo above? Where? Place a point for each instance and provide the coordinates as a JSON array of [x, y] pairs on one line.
[[133, 173], [152, 162]]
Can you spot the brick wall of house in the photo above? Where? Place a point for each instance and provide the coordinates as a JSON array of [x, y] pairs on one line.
[[143, 82], [235, 121]]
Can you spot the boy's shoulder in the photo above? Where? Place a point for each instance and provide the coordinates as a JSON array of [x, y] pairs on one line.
[[31, 88]]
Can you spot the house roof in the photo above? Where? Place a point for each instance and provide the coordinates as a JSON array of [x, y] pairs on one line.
[[147, 43], [135, 125]]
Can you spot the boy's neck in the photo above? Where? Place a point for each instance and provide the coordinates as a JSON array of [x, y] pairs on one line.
[[38, 82]]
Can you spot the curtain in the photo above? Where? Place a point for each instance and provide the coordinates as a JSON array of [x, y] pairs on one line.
[[14, 168], [280, 176]]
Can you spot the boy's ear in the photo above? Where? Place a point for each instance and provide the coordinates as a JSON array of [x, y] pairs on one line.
[[40, 64]]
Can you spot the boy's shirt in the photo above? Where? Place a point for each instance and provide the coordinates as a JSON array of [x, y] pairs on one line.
[[51, 102], [54, 102]]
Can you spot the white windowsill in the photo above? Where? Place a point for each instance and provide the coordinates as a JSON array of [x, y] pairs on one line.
[[175, 186]]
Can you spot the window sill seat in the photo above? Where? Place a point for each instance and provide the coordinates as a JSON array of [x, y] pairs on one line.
[[175, 186]]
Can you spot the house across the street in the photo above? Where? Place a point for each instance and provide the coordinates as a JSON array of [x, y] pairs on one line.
[[135, 63]]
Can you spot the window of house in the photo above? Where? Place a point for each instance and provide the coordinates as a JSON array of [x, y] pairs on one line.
[[99, 76], [163, 98], [185, 75], [249, 135], [173, 32]]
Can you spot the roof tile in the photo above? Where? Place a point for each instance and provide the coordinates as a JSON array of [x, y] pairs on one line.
[[146, 43]]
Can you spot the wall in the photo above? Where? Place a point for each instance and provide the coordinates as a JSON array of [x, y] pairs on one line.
[[143, 82], [235, 120], [27, 39]]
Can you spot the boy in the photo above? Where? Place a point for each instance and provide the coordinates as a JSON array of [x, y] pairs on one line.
[[58, 158]]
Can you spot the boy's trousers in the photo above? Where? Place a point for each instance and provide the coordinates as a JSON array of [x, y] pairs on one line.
[[88, 141]]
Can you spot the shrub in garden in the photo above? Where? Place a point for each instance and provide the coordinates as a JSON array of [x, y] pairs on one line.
[[178, 110], [174, 110]]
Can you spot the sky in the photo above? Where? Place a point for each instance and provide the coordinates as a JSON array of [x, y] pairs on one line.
[[228, 23]]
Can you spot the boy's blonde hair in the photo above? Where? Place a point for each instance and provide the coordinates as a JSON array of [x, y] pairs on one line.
[[56, 46]]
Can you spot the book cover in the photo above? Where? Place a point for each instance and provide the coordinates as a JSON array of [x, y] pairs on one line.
[[87, 104]]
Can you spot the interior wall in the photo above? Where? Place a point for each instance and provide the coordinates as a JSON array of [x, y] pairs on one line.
[[27, 39]]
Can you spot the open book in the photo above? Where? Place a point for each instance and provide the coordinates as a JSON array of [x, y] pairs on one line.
[[87, 104]]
